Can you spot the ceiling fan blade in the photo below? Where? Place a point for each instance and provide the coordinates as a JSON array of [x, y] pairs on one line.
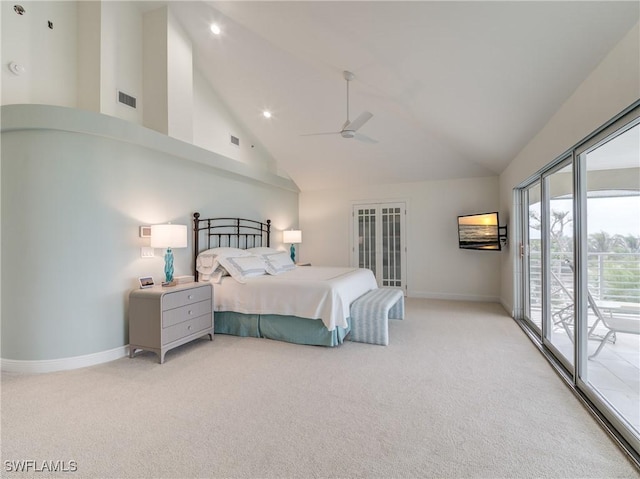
[[356, 124], [345, 125], [325, 133], [364, 138]]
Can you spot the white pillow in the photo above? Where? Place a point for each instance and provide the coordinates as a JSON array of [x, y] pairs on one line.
[[205, 264], [243, 267], [279, 263], [225, 251], [218, 273], [262, 250], [207, 261]]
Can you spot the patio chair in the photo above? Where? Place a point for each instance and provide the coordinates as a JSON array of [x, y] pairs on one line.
[[563, 315], [617, 319]]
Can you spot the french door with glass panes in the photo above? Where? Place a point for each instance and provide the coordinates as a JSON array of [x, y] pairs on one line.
[[379, 242]]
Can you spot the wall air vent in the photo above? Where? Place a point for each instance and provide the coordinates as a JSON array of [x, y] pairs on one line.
[[235, 140], [126, 99]]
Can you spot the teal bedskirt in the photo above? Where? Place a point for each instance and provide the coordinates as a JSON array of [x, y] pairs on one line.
[[291, 329]]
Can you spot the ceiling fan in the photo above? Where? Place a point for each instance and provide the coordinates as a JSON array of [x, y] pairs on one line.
[[350, 128]]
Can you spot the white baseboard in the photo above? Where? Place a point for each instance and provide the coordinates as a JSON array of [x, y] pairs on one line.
[[453, 296], [62, 364], [507, 307]]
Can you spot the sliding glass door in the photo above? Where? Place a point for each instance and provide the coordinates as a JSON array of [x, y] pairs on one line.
[[557, 230], [531, 253], [612, 266], [579, 221]]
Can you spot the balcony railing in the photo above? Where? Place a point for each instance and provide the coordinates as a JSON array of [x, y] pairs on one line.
[[611, 277]]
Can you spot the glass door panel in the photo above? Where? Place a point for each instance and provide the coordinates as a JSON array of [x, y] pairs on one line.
[[366, 237], [533, 256], [558, 228], [613, 274], [392, 246]]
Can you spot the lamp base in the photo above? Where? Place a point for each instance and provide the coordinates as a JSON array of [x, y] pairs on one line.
[[293, 252], [168, 266]]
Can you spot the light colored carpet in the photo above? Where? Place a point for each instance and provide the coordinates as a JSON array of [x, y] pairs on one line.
[[460, 392]]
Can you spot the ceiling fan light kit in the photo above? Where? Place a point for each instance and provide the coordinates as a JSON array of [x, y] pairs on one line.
[[349, 128]]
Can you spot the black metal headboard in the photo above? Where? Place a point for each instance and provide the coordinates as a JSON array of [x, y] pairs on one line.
[[233, 232]]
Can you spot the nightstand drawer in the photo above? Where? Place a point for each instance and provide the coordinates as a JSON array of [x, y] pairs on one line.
[[180, 298], [184, 313], [186, 328]]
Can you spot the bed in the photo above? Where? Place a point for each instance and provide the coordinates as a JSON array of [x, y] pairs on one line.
[[259, 292]]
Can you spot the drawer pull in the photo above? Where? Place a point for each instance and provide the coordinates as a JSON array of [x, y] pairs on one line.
[[189, 327], [190, 312], [190, 296]]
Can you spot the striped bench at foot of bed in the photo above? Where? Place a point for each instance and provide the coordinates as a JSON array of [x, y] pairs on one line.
[[370, 315]]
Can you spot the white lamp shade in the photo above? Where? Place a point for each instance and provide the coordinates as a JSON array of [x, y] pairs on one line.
[[168, 236], [292, 236]]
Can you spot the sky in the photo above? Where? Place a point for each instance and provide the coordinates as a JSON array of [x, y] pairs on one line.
[[614, 216]]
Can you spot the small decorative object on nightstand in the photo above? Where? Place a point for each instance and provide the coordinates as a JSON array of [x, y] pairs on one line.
[[161, 319], [294, 237], [168, 236]]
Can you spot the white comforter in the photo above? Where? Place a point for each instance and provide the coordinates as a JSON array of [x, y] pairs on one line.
[[315, 292]]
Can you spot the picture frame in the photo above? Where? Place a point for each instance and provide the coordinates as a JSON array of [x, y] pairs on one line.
[[146, 282]]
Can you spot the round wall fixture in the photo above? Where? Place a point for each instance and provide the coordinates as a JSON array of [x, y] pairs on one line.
[[16, 69], [19, 9]]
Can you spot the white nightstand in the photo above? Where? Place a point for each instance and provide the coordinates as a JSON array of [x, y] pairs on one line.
[[162, 318]]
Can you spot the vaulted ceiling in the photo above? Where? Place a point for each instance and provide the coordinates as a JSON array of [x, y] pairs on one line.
[[456, 89]]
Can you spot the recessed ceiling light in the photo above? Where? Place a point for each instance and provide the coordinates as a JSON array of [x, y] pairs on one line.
[[215, 29], [266, 114]]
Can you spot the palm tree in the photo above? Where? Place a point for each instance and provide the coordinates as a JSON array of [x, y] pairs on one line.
[[628, 243], [601, 242]]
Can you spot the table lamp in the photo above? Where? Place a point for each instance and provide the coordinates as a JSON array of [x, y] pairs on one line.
[[168, 236], [294, 237]]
